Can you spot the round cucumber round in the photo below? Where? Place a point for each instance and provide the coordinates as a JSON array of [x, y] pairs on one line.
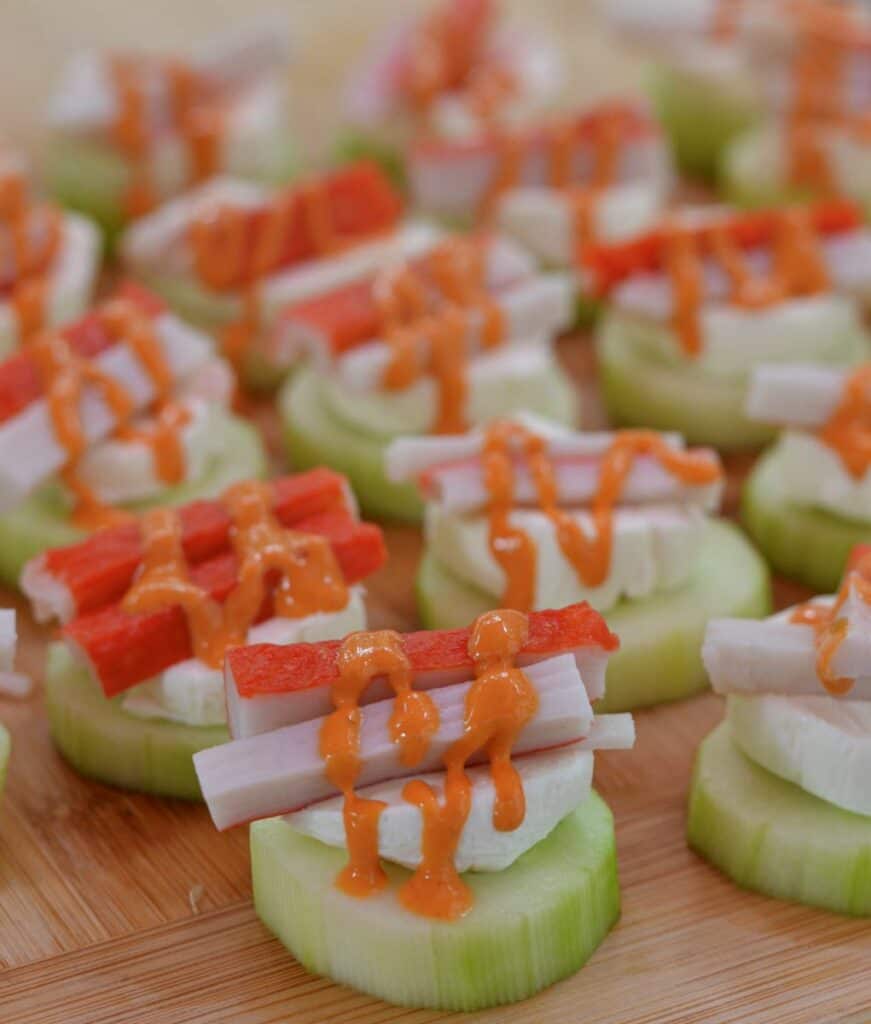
[[660, 636], [641, 389], [752, 173], [806, 544], [536, 922], [700, 115], [101, 741], [315, 436], [42, 520], [769, 835], [5, 748]]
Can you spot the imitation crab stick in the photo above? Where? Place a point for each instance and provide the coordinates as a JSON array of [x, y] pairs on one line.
[[801, 395], [609, 265], [282, 770], [124, 649], [269, 687], [66, 582]]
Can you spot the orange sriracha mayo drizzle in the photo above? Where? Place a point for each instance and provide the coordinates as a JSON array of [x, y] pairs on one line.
[[424, 340], [830, 627], [66, 376], [798, 269], [195, 114], [588, 554], [31, 254], [307, 576], [848, 430]]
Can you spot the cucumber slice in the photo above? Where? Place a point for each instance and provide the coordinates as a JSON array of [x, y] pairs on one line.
[[42, 521], [532, 924], [701, 116], [101, 741], [806, 544], [822, 744], [314, 436], [5, 748], [660, 636], [752, 173], [769, 835], [643, 390]]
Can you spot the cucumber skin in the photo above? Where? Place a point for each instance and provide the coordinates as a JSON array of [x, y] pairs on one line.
[[699, 118], [498, 953], [103, 742], [770, 836], [806, 544], [42, 521], [642, 672], [314, 437]]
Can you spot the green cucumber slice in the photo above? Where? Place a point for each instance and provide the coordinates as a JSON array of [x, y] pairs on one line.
[[314, 436], [42, 521], [751, 172], [769, 835], [5, 748], [806, 544], [660, 636], [700, 116], [103, 742], [641, 389], [532, 924]]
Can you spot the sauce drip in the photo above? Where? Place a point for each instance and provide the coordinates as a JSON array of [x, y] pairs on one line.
[[499, 703], [195, 114], [830, 627], [426, 340], [848, 430], [303, 568], [34, 235], [362, 658], [588, 554]]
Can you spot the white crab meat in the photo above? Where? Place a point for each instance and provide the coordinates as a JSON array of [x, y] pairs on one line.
[[12, 683], [283, 771], [795, 394], [193, 693], [29, 450]]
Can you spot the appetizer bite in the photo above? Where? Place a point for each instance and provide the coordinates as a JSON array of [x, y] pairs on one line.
[[440, 845], [460, 336], [526, 515], [814, 59], [126, 408], [698, 303], [807, 502], [781, 794], [230, 256], [701, 80], [447, 74], [149, 609], [130, 129], [48, 259]]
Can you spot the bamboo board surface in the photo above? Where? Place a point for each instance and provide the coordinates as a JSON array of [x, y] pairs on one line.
[[119, 908]]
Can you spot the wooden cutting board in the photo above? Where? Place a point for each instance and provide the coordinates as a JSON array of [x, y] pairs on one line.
[[121, 909]]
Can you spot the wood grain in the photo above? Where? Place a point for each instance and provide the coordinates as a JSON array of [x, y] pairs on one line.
[[97, 922]]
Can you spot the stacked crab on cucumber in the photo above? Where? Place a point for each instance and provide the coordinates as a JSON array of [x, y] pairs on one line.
[[150, 607], [48, 259], [698, 303], [230, 255], [807, 502], [461, 335], [123, 409], [781, 794], [424, 825], [815, 61], [527, 515], [555, 185], [130, 129], [446, 74]]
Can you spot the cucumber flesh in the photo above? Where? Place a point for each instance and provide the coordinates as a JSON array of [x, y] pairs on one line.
[[806, 544], [641, 390], [752, 173], [769, 835], [660, 636], [101, 741], [42, 521], [314, 436], [535, 922]]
